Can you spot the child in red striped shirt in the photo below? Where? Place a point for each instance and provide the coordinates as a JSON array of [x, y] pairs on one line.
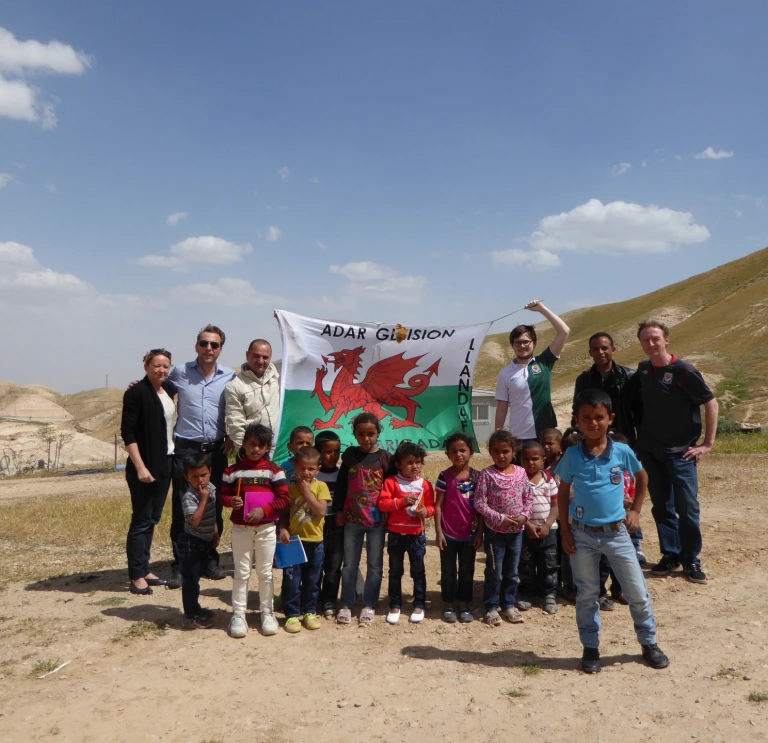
[[409, 499], [261, 484]]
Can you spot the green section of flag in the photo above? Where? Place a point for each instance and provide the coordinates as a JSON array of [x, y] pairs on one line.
[[439, 416]]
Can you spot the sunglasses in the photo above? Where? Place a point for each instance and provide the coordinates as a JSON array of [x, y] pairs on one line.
[[160, 352], [213, 344]]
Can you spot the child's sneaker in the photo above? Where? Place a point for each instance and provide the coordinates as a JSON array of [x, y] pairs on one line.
[[203, 620], [238, 627], [329, 611], [293, 625], [641, 558], [550, 605], [606, 604], [269, 624], [311, 621]]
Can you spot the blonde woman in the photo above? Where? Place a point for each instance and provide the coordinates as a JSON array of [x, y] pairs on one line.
[[147, 430]]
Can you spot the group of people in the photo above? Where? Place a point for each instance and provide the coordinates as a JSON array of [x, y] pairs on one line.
[[552, 510]]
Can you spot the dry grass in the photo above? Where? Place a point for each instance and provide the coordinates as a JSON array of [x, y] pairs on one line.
[[44, 666], [141, 630]]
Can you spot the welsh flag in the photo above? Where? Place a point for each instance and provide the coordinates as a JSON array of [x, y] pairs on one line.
[[416, 380]]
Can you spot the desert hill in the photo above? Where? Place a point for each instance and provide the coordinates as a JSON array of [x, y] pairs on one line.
[[719, 322]]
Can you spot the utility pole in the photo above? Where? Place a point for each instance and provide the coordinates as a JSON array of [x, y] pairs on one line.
[[106, 382]]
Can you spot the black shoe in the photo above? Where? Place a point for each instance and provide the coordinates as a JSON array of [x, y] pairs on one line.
[[156, 581], [665, 566], [175, 579], [654, 656], [146, 591], [590, 660], [695, 574], [214, 572], [606, 604]]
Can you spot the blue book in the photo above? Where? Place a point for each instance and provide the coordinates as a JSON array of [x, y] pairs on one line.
[[288, 555]]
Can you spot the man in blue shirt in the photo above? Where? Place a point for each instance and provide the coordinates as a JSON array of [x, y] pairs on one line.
[[200, 427], [595, 523]]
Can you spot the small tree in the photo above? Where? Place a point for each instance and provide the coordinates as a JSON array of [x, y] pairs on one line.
[[62, 439], [47, 436]]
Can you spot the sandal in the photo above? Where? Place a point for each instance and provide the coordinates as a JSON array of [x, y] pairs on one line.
[[367, 615], [492, 618], [513, 615], [344, 616]]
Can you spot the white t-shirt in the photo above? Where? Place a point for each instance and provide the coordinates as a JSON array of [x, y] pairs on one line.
[[169, 411], [512, 387]]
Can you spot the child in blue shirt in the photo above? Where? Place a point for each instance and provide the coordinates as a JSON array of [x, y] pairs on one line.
[[595, 523]]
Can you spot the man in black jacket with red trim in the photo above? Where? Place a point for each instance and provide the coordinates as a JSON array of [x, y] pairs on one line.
[[605, 374]]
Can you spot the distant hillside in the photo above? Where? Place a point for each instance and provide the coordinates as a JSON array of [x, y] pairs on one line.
[[719, 320]]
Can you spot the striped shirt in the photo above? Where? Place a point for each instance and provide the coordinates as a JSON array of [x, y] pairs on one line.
[[260, 484], [544, 499], [190, 501]]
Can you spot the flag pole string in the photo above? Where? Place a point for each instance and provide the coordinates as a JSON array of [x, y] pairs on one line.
[[509, 314]]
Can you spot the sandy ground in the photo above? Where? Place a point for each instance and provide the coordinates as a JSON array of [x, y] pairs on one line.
[[432, 682]]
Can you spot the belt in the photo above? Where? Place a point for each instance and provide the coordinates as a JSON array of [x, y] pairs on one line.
[[202, 446], [602, 529]]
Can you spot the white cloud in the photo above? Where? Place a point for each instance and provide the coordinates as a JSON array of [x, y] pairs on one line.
[[711, 154], [314, 179], [21, 57], [206, 249], [175, 218], [374, 281], [18, 99], [643, 164], [227, 291], [285, 174], [25, 282], [621, 168], [678, 157], [536, 259], [274, 233], [321, 245], [615, 228], [51, 186], [5, 179]]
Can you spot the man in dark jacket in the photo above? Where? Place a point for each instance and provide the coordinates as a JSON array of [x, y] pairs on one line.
[[605, 374]]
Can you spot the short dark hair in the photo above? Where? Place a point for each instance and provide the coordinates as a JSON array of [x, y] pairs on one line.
[[263, 434], [601, 334], [454, 437], [503, 437], [571, 437], [307, 454], [212, 329], [556, 432], [593, 398], [194, 460], [532, 445], [522, 330], [619, 437], [404, 449], [358, 420], [298, 431], [261, 342], [324, 437]]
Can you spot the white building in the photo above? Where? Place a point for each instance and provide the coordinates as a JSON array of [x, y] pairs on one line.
[[483, 414]]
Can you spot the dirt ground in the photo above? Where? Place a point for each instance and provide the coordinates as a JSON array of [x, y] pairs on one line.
[[131, 681]]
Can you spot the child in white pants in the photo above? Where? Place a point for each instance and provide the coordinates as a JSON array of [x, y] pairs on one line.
[[256, 490]]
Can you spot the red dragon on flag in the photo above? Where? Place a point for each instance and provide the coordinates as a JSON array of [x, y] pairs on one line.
[[381, 386]]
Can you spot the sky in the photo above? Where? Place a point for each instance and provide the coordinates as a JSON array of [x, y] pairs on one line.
[[167, 165]]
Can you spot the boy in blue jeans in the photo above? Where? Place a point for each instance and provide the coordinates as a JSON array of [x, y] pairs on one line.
[[599, 525]]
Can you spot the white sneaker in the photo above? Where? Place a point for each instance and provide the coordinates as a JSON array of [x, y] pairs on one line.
[[238, 627], [269, 624], [417, 615], [394, 616]]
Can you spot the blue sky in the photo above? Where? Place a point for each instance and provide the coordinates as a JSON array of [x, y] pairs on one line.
[[426, 163]]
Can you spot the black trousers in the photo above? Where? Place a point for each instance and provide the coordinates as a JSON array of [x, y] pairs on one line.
[[539, 565], [218, 465], [333, 545], [457, 586], [147, 501], [193, 557]]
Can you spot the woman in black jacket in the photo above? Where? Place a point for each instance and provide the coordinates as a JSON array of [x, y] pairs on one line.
[[147, 431]]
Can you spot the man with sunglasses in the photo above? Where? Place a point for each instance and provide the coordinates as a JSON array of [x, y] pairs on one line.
[[200, 427], [524, 389]]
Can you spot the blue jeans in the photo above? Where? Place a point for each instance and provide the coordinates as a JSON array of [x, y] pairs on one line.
[[501, 563], [301, 583], [416, 547], [193, 558], [353, 549], [673, 485], [618, 548]]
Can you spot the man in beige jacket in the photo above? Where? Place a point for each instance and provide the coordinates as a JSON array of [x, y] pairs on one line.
[[253, 396]]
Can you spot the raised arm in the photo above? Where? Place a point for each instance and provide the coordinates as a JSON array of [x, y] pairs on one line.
[[561, 329]]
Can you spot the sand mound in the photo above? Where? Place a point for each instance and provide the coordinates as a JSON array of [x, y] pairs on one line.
[[21, 403]]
